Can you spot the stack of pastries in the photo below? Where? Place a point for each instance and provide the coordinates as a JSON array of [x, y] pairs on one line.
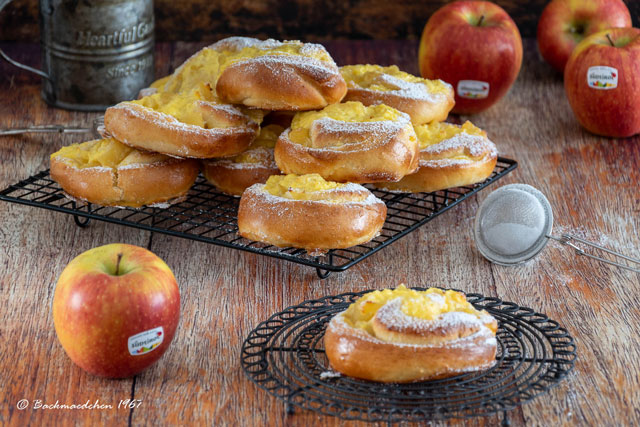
[[245, 111]]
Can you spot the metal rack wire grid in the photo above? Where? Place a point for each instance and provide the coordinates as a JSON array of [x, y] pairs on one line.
[[284, 355], [210, 216]]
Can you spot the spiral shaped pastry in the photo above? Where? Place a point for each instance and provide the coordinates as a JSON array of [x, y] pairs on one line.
[[450, 156], [350, 142], [403, 335], [186, 124], [310, 213], [108, 173], [274, 75], [424, 100]]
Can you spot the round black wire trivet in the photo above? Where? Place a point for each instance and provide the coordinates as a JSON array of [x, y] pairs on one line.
[[284, 355]]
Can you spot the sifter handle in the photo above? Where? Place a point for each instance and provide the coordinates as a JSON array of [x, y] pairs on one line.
[[3, 4], [566, 239]]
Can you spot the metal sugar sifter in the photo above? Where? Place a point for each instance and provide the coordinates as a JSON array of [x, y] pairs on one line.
[[514, 224]]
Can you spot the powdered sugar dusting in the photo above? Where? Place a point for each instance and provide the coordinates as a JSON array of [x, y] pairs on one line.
[[392, 316], [338, 323], [330, 374], [409, 90], [475, 145], [281, 66], [375, 133], [279, 204], [167, 121]]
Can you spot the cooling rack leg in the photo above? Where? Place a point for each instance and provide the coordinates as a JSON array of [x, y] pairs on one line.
[[289, 408], [505, 419], [81, 222], [323, 274]]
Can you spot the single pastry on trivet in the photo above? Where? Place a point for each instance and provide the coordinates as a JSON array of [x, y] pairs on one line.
[[403, 335], [424, 100], [254, 166], [310, 213], [350, 142], [450, 156], [267, 74], [185, 124], [109, 173]]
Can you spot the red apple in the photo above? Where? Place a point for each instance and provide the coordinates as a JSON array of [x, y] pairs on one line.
[[602, 82], [116, 309], [565, 23], [476, 47]]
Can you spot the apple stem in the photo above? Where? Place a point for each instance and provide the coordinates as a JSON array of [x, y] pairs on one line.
[[480, 21], [118, 263], [610, 41]]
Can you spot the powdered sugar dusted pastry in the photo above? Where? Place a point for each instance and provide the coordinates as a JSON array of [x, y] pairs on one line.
[[106, 172], [310, 213], [184, 124], [450, 156], [403, 335], [350, 142], [424, 100], [274, 75], [254, 166]]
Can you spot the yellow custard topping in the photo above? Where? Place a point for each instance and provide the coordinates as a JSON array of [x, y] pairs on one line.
[[184, 107], [299, 187], [372, 77], [427, 305], [436, 132], [345, 112], [207, 65], [107, 152], [266, 139]]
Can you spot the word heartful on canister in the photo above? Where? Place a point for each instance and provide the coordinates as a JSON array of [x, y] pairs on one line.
[[95, 53]]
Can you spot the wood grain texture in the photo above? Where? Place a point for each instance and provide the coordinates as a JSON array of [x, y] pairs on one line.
[[199, 20], [591, 182]]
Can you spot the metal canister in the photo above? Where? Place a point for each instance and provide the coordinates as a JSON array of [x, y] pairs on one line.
[[95, 53]]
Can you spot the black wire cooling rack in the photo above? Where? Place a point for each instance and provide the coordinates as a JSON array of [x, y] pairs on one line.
[[285, 356], [209, 216]]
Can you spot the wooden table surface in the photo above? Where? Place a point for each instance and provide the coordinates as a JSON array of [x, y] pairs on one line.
[[591, 182]]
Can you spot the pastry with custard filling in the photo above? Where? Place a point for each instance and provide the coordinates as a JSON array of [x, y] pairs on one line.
[[233, 175], [424, 100], [109, 173], [350, 142], [403, 335], [310, 213], [275, 75], [450, 156], [268, 74], [187, 123]]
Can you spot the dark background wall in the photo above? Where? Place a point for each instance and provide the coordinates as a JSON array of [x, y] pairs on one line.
[[207, 20]]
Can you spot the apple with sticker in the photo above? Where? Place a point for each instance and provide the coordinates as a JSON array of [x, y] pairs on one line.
[[602, 82], [565, 23], [116, 309], [474, 46]]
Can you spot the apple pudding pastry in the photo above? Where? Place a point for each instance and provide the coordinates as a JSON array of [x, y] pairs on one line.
[[109, 173]]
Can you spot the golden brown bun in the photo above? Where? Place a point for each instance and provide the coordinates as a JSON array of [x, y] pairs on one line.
[[456, 162], [405, 349], [280, 82], [360, 152], [233, 178], [233, 175], [150, 130], [132, 185], [310, 224], [413, 98]]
